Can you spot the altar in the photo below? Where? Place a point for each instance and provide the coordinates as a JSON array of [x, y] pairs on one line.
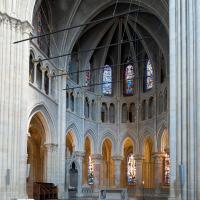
[[113, 194]]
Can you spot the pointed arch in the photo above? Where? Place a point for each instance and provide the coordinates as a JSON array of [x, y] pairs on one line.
[[73, 130], [91, 135], [50, 131], [161, 130], [109, 136], [147, 135], [165, 141], [148, 149], [130, 140]]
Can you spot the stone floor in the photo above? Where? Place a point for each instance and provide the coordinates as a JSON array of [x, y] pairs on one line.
[[131, 198], [148, 195]]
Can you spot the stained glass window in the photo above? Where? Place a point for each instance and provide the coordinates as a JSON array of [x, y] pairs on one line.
[[131, 169], [43, 27], [87, 78], [90, 172], [167, 170], [107, 80], [149, 76], [129, 76]]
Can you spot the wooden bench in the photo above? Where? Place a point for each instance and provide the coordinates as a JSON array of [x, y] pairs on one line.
[[44, 191]]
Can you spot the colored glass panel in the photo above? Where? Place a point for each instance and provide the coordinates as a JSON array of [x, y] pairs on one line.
[[90, 172], [107, 80], [149, 75], [129, 79], [131, 169]]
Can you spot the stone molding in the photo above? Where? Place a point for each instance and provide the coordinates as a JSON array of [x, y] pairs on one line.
[[51, 147], [79, 154], [139, 157], [158, 155], [117, 158], [96, 157], [25, 26]]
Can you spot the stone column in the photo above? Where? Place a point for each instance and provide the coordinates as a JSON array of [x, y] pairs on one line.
[[50, 81], [90, 109], [75, 101], [98, 109], [43, 74], [158, 171], [14, 79], [51, 150], [80, 157], [97, 159], [184, 109], [117, 160], [197, 96], [35, 73], [138, 163]]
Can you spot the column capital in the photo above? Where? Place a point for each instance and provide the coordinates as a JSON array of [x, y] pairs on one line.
[[43, 68], [16, 23], [158, 155], [138, 157], [49, 75], [51, 147], [96, 157], [117, 158], [79, 154]]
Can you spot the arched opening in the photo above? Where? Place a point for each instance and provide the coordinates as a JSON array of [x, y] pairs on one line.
[[108, 164], [104, 113], [71, 172], [166, 160], [107, 80], [112, 113], [72, 102], [31, 69], [128, 168], [70, 143], [143, 110], [148, 165], [86, 108], [73, 181], [93, 111], [88, 173], [129, 75], [46, 82], [151, 108], [36, 153], [53, 85], [39, 76], [148, 75], [42, 25], [67, 100], [162, 69], [132, 112], [124, 113]]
